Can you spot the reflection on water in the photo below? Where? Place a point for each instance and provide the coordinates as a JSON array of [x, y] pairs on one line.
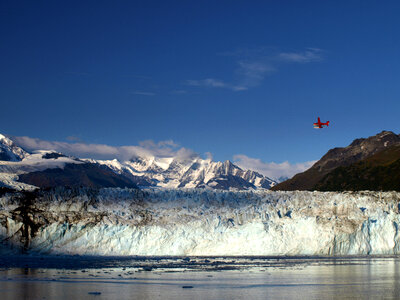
[[350, 278]]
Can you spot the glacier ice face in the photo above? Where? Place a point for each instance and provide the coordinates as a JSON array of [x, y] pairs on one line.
[[200, 222]]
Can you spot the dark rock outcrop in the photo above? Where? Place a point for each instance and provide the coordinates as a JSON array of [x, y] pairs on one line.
[[77, 175]]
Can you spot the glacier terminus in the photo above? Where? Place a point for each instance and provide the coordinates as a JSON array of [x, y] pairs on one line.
[[195, 222]]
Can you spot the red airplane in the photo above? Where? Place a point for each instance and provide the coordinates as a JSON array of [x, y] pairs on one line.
[[319, 125]]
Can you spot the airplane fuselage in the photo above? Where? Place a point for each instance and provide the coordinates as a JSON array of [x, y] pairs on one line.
[[320, 125]]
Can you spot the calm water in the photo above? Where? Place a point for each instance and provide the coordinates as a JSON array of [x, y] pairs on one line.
[[200, 278]]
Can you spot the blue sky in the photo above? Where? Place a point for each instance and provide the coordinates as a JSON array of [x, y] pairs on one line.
[[226, 77]]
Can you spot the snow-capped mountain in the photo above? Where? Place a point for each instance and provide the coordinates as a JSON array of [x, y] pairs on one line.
[[173, 172], [9, 151], [20, 169]]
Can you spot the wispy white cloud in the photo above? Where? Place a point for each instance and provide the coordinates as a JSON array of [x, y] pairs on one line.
[[307, 56], [101, 151], [214, 83], [271, 169], [150, 144], [254, 65], [252, 73], [209, 82], [151, 148]]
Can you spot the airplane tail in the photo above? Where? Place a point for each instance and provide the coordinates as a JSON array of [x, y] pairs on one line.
[[327, 123]]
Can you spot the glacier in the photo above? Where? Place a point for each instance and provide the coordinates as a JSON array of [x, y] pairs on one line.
[[199, 222]]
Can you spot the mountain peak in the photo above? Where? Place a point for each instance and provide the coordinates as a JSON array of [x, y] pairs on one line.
[[386, 132], [386, 135], [142, 170], [358, 150], [9, 151]]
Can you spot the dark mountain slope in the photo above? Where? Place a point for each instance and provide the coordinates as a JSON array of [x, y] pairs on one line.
[[380, 172], [358, 150], [77, 175]]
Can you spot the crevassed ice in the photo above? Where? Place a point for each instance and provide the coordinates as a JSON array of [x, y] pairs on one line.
[[204, 222]]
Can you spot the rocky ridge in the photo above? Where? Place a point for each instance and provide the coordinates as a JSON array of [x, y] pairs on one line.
[[357, 151]]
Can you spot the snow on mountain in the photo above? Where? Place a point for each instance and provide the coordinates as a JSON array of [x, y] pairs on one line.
[[200, 222], [171, 172], [160, 172], [38, 161], [9, 151]]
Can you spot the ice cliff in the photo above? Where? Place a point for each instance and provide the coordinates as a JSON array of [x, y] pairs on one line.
[[199, 222]]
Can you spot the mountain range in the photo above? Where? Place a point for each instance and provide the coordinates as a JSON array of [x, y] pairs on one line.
[[20, 169], [371, 163]]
